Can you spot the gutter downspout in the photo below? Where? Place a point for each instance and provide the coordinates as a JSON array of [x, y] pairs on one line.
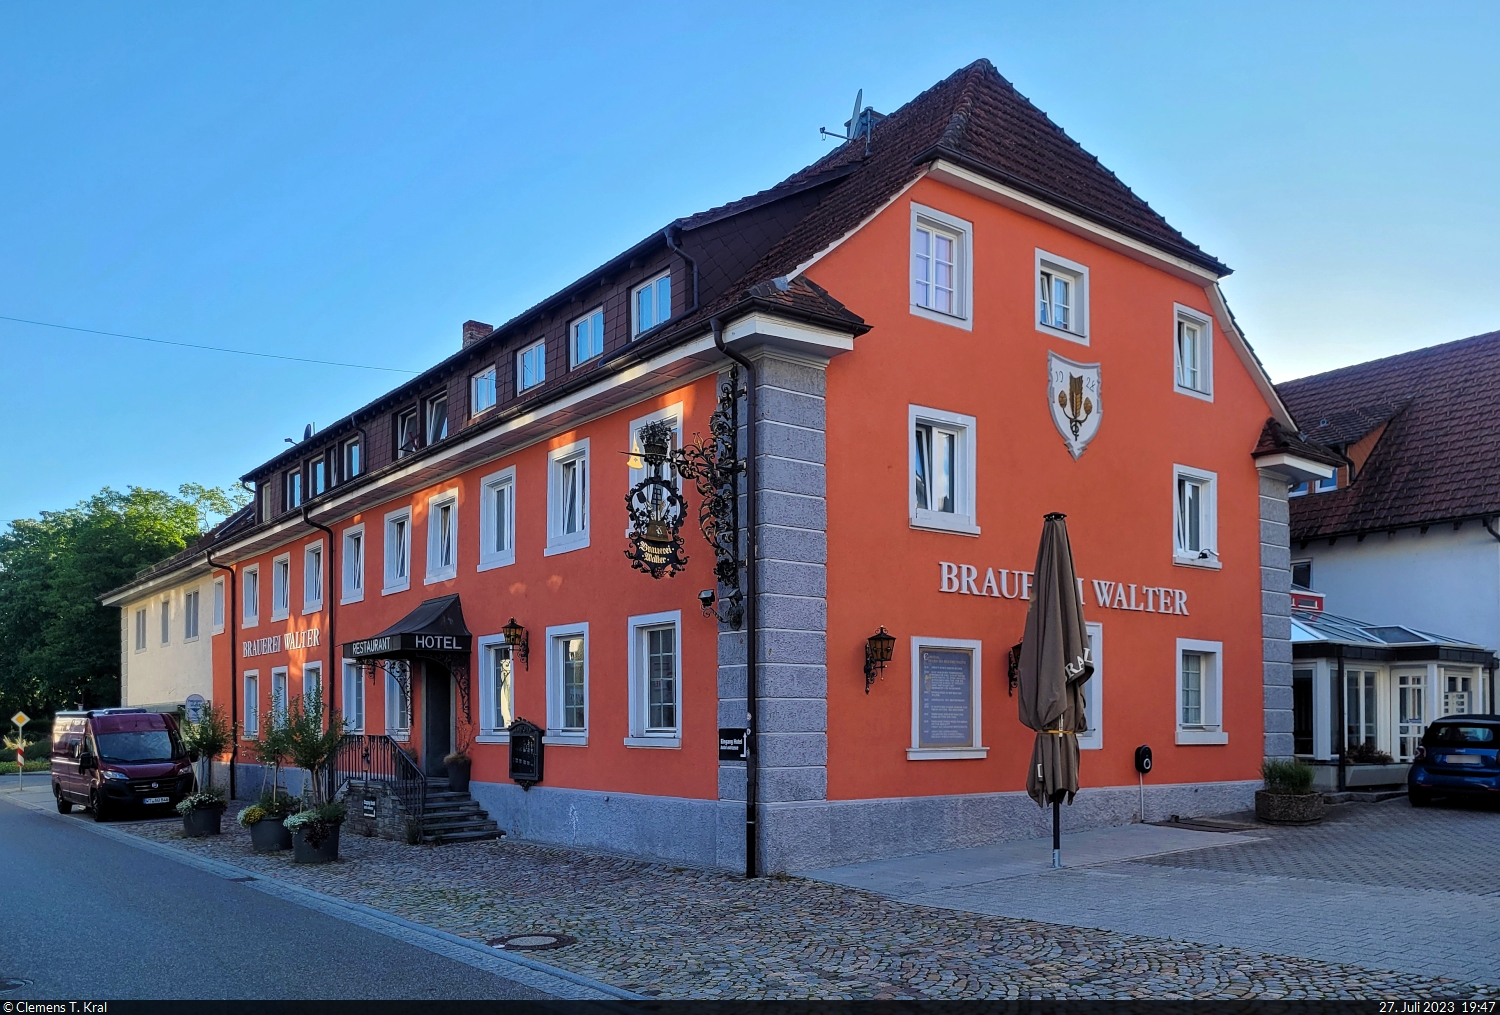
[[332, 603], [752, 710], [673, 244], [1343, 727], [234, 691]]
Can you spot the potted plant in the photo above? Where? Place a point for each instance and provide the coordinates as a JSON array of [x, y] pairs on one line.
[[266, 820], [312, 734], [201, 812], [1288, 797], [459, 763], [206, 739]]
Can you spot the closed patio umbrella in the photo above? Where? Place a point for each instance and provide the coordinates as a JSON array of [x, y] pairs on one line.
[[1054, 664]]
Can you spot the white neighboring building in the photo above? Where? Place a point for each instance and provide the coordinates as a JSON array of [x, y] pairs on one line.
[[168, 617]]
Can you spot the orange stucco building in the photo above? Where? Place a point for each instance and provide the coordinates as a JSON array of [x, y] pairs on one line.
[[953, 324]]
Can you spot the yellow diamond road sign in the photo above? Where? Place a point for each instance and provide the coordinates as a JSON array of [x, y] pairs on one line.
[[20, 718]]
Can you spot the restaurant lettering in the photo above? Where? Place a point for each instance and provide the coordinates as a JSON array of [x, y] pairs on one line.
[[966, 580], [280, 642]]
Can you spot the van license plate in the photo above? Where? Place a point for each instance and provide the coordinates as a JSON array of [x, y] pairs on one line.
[[156, 800], [1463, 759]]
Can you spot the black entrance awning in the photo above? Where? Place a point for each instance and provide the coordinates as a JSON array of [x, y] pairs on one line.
[[437, 626]]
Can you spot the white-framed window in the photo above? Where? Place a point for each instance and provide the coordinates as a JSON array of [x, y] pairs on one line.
[[166, 621], [353, 564], [1092, 739], [655, 680], [312, 683], [140, 629], [278, 696], [406, 432], [651, 304], [1195, 524], [312, 577], [398, 702], [250, 580], [252, 703], [1297, 489], [190, 615], [942, 273], [1062, 298], [281, 587], [588, 337], [531, 365], [437, 419], [1200, 686], [568, 685], [1302, 573], [354, 697], [482, 391], [497, 690], [568, 497], [1458, 691], [397, 551], [442, 537], [940, 492], [1192, 353], [218, 606], [1411, 713], [1361, 710], [945, 699], [317, 476], [1326, 484], [291, 486], [352, 464], [497, 519]]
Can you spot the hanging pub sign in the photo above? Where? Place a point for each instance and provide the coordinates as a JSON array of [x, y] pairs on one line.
[[526, 749], [656, 509]]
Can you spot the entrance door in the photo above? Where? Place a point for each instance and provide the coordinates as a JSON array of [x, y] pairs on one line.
[[437, 714], [1359, 708], [1411, 695]]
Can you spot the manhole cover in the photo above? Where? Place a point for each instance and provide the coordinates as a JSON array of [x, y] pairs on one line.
[[531, 942], [12, 983]]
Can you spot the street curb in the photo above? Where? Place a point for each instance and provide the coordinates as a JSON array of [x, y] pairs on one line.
[[322, 902]]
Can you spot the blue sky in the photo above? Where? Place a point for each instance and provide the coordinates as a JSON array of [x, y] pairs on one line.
[[353, 181]]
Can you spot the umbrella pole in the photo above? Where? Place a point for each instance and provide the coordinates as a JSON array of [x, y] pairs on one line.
[[1056, 831]]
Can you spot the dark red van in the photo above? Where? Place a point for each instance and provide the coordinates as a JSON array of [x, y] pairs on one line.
[[113, 759]]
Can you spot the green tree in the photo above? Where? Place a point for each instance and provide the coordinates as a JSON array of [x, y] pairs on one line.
[[58, 646]]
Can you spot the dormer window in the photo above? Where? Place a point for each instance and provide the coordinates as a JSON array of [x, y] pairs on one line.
[[437, 419], [406, 432], [351, 459], [292, 484], [651, 304], [317, 477], [588, 337], [531, 366]]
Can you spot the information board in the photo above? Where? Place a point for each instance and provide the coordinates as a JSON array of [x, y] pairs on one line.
[[946, 698]]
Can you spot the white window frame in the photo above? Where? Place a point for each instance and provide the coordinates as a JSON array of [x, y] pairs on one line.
[[316, 668], [962, 232], [1208, 524], [634, 465], [165, 605], [140, 629], [394, 582], [352, 565], [192, 614], [251, 687], [489, 734], [541, 344], [497, 484], [555, 733], [283, 674], [430, 432], [281, 565], [1211, 730], [557, 541], [436, 571], [965, 519], [1205, 328], [1079, 274], [414, 433], [493, 375], [393, 703], [1093, 699], [220, 606], [250, 604], [353, 691], [636, 628], [635, 296], [311, 569], [976, 749], [574, 360], [351, 454]]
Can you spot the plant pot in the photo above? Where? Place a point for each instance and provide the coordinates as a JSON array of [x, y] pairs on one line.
[[458, 776], [268, 835], [201, 821], [324, 852], [1289, 808]]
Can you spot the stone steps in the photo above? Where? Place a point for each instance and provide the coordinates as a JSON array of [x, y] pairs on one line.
[[451, 816]]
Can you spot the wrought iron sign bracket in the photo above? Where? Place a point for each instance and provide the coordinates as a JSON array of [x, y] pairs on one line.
[[714, 465]]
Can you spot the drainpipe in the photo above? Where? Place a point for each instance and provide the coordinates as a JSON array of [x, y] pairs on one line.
[[672, 243], [752, 761], [234, 690], [332, 603], [1343, 727]]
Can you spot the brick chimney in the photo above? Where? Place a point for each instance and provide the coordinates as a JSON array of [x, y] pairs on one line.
[[474, 331]]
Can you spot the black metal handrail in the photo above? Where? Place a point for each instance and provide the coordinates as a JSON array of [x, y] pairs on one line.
[[378, 758]]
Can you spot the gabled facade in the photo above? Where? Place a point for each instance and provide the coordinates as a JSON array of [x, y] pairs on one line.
[[948, 327]]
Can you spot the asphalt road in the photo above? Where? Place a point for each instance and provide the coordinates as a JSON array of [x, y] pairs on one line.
[[86, 917]]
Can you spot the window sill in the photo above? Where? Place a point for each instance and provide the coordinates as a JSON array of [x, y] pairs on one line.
[[952, 320], [945, 753], [313, 608], [353, 599], [189, 641], [662, 742], [1091, 745], [561, 739], [934, 521], [391, 589], [492, 738], [217, 630], [249, 622], [1207, 563], [441, 576], [1211, 737], [400, 736], [1071, 336], [277, 617], [494, 562], [564, 547], [1207, 396]]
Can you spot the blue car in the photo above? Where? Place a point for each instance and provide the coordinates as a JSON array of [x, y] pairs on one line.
[[1459, 757]]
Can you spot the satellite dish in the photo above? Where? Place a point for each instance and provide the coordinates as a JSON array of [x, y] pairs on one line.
[[307, 432], [859, 100]]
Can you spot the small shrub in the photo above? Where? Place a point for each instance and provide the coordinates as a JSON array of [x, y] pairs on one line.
[[1280, 776], [413, 832], [211, 797], [250, 815], [1365, 753]]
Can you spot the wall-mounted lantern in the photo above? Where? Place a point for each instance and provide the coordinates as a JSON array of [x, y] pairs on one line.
[[878, 649], [517, 640]]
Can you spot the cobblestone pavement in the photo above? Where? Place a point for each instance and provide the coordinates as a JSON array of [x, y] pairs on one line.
[[692, 933]]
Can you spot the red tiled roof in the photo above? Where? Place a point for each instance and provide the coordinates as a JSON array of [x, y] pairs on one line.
[[1436, 460], [1276, 439]]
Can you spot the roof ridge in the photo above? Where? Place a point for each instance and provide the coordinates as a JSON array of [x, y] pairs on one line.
[[1424, 352]]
